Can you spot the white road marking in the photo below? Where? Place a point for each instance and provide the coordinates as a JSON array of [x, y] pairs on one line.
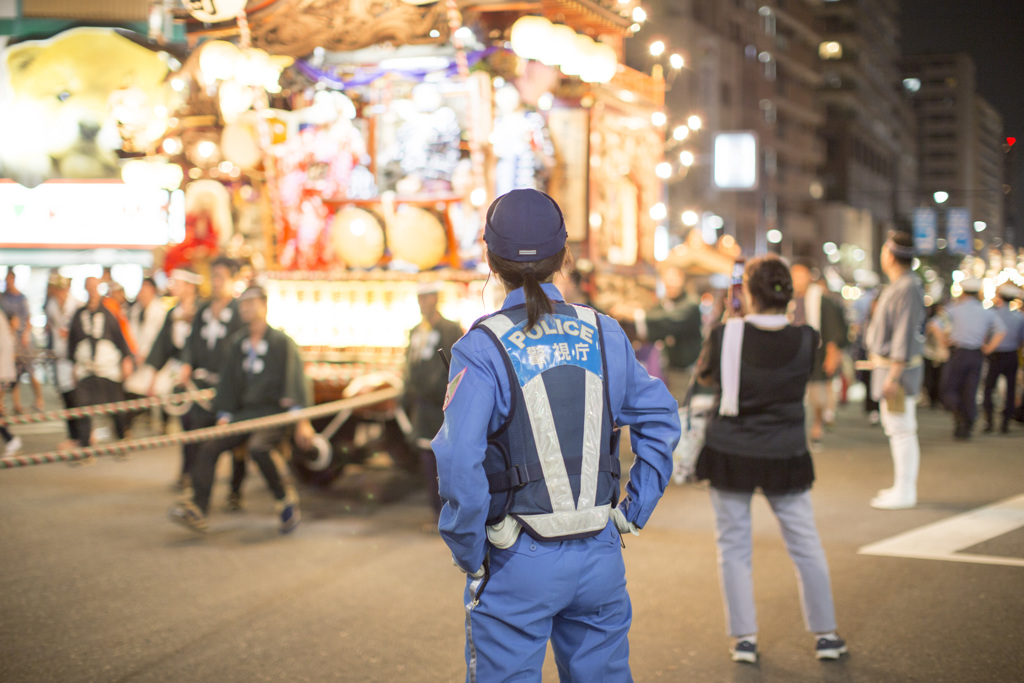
[[51, 427], [942, 540]]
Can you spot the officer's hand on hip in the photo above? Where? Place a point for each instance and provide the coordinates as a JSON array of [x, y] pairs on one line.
[[475, 575], [622, 524]]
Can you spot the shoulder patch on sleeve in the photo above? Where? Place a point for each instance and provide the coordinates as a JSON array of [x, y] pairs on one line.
[[453, 386]]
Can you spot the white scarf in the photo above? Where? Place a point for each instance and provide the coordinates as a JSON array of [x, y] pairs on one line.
[[732, 348], [812, 306]]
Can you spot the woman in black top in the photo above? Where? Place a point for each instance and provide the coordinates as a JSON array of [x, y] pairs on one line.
[[756, 439]]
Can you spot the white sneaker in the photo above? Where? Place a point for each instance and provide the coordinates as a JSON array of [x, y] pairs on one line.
[[891, 500], [13, 446]]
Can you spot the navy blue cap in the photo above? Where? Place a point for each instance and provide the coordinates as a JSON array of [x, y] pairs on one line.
[[524, 225]]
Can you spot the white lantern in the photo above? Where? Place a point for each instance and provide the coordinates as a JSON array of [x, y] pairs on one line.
[[252, 68], [234, 99], [601, 64], [560, 43], [136, 173], [218, 60], [171, 176], [260, 69], [214, 11], [576, 61], [240, 142], [529, 36]]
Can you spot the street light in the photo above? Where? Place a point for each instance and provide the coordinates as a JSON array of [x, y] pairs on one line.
[[680, 133], [659, 119], [979, 226], [690, 218], [663, 170], [676, 61], [693, 122], [774, 236], [940, 197], [686, 158], [657, 48]]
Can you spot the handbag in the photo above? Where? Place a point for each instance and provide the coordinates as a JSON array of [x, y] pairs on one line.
[[693, 415]]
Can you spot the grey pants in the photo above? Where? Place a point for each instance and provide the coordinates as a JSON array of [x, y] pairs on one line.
[[735, 550]]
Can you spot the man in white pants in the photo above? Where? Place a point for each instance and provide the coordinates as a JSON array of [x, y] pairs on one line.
[[895, 342]]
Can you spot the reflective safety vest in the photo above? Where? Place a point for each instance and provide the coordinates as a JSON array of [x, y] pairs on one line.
[[553, 465]]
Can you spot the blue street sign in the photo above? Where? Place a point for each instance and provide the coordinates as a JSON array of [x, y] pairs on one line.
[[925, 232], [958, 230]]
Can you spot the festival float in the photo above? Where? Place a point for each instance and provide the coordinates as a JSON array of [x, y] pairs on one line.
[[347, 149], [373, 156]]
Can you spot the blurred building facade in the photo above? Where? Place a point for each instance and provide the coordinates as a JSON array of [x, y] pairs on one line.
[[870, 173], [960, 138], [749, 67], [852, 136]]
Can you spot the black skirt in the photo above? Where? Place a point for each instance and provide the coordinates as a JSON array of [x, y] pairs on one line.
[[745, 474]]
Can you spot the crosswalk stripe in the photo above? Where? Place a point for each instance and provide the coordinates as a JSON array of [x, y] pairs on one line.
[[38, 428], [943, 540]]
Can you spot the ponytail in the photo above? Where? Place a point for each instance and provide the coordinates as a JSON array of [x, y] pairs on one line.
[[537, 302], [529, 275]]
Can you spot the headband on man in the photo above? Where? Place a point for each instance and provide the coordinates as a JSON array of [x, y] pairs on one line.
[[900, 251]]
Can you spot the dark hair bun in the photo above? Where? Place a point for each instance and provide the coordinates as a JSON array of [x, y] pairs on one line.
[[769, 283]]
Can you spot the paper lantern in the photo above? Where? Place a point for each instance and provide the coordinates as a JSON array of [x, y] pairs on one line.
[[576, 59], [234, 99], [239, 142], [214, 11], [560, 45], [601, 64], [218, 60], [529, 36], [416, 236], [357, 238]]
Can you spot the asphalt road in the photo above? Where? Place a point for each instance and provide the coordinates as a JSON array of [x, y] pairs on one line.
[[97, 585]]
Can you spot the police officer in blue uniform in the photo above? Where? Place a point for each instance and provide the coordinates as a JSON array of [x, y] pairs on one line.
[[1003, 361], [528, 463], [973, 333]]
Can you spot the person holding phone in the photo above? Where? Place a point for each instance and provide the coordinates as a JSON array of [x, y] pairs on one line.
[[759, 365], [736, 288]]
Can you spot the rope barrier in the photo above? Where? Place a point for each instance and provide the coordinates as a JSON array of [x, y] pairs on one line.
[[109, 408], [204, 434]]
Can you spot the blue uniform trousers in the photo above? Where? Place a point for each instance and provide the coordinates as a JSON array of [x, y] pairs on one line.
[[960, 380], [1001, 363], [571, 592]]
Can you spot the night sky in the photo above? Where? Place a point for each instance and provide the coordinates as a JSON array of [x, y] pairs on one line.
[[992, 32]]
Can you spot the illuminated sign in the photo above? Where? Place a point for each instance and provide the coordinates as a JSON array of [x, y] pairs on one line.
[[736, 161], [89, 214]]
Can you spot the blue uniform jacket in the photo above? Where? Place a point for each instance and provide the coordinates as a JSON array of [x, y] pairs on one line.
[[479, 399]]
